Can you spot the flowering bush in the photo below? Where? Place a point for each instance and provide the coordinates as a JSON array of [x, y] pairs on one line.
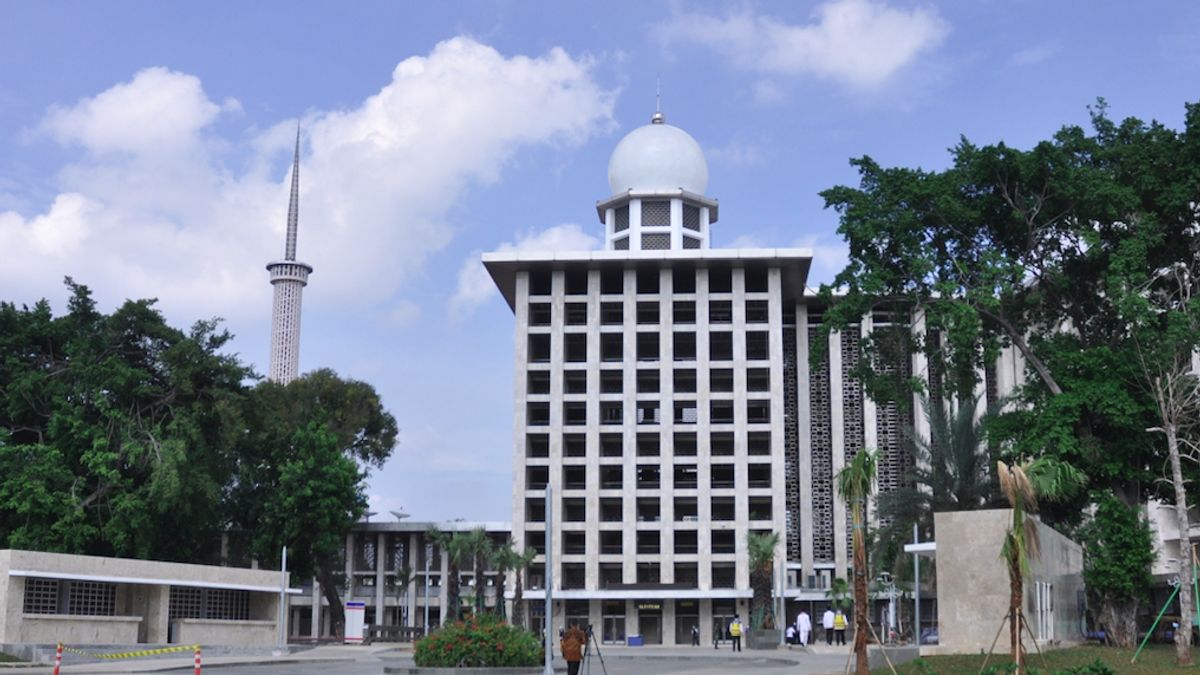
[[476, 642]]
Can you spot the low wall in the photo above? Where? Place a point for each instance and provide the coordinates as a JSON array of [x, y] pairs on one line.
[[222, 632], [78, 630]]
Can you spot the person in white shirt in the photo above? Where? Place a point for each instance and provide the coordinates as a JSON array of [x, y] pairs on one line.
[[803, 627], [827, 624]]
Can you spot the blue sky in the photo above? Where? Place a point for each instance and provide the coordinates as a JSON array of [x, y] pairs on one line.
[[144, 150]]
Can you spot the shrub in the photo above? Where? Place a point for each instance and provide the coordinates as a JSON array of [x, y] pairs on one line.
[[485, 641]]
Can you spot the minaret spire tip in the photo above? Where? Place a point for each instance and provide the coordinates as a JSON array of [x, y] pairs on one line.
[[658, 117], [293, 218]]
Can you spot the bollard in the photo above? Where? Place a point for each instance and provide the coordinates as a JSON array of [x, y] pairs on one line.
[[197, 672], [58, 658]]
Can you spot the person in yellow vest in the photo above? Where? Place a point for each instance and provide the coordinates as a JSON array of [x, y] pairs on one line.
[[839, 627], [735, 633]]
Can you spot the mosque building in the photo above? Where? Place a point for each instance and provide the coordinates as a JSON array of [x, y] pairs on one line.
[[665, 395]]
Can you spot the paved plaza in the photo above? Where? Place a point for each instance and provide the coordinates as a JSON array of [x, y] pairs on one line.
[[384, 659]]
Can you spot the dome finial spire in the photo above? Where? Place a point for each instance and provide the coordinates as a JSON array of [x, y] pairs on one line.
[[658, 117]]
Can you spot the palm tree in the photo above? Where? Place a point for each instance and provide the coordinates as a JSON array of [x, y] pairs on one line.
[[855, 483], [478, 552], [761, 549], [454, 547], [504, 558], [1023, 485], [520, 564], [950, 473], [838, 591], [403, 580]]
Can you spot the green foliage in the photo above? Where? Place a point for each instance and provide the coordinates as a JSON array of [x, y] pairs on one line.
[[760, 549], [950, 472], [319, 497], [483, 641], [838, 593], [1057, 251], [116, 431], [301, 465], [120, 435], [1118, 550]]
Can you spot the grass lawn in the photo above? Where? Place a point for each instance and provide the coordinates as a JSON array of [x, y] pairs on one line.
[[5, 658], [1154, 660]]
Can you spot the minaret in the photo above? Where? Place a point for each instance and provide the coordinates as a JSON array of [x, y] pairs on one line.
[[289, 278]]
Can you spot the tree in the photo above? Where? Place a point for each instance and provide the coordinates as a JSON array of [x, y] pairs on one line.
[[950, 472], [478, 552], [1017, 247], [1023, 485], [1118, 550], [319, 498], [1163, 315], [855, 482], [335, 429], [760, 548], [457, 548], [402, 581], [838, 592], [520, 565], [116, 430], [505, 559]]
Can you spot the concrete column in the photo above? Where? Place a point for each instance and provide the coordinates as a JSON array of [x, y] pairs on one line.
[[414, 545], [704, 526], [804, 422], [666, 376], [444, 588], [668, 622], [381, 565], [314, 630], [838, 441]]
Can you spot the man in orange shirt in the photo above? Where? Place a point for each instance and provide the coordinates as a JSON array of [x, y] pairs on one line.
[[572, 645]]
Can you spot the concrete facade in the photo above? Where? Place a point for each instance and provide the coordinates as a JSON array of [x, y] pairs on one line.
[[973, 586], [75, 599], [375, 553], [666, 394]]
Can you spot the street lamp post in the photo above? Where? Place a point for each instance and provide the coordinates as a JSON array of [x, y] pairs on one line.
[[889, 585], [428, 555]]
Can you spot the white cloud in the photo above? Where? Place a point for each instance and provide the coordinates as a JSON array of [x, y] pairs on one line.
[[736, 153], [767, 92], [158, 112], [830, 256], [475, 286], [746, 241], [857, 42], [1033, 55], [159, 203]]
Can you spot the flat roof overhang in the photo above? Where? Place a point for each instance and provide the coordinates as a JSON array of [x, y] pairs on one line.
[[645, 594], [925, 549], [150, 581], [794, 262], [423, 526]]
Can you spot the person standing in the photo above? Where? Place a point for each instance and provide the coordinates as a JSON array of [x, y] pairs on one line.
[[735, 633], [839, 627], [803, 627], [572, 648], [827, 625], [695, 636]]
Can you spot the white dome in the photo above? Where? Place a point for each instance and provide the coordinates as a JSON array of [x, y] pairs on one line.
[[658, 158]]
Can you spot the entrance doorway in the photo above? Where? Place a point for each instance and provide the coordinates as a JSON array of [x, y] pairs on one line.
[[613, 612], [650, 622], [687, 615]]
